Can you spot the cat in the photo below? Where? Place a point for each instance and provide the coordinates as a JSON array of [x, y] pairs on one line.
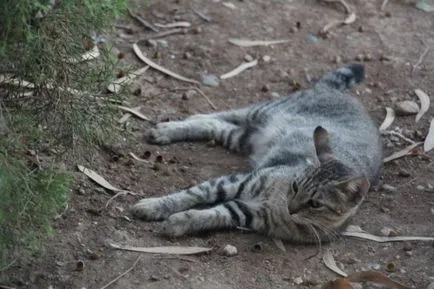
[[314, 156]]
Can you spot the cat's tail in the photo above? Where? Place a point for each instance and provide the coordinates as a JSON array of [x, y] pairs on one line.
[[345, 77]]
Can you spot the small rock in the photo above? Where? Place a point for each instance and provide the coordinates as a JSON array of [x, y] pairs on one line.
[[361, 29], [430, 187], [163, 43], [420, 188], [230, 250], [210, 80], [154, 278], [337, 59], [294, 29], [404, 173], [409, 253], [386, 231], [188, 94], [367, 57], [81, 191], [265, 88], [275, 95], [197, 30], [406, 107], [151, 43], [248, 58], [298, 280], [266, 58], [374, 266], [359, 57], [408, 246], [388, 188], [188, 55]]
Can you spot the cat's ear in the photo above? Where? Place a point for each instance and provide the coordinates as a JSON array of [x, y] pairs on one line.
[[358, 187], [322, 144]]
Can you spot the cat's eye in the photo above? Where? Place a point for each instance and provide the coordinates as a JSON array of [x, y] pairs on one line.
[[314, 204], [294, 187]]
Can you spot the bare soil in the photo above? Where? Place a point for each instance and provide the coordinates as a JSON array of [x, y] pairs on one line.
[[394, 39]]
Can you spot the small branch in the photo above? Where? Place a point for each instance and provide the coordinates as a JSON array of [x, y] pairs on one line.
[[422, 56], [8, 265], [213, 106], [397, 134], [383, 5], [142, 21], [121, 275], [164, 34], [201, 15]]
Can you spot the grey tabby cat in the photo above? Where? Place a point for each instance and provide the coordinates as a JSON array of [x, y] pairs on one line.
[[313, 154]]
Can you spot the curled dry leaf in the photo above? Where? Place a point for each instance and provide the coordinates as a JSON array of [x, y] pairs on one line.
[[402, 153], [173, 24], [330, 263], [174, 250], [351, 18], [158, 67], [357, 232], [388, 120], [279, 244], [89, 55], [429, 140], [97, 178], [363, 276], [137, 158], [243, 66], [424, 103], [250, 43], [134, 111], [116, 85]]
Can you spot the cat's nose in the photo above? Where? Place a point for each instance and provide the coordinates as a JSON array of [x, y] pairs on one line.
[[293, 208]]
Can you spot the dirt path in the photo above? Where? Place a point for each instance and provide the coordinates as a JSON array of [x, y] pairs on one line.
[[84, 233]]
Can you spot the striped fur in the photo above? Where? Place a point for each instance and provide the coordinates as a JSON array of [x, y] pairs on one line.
[[313, 155]]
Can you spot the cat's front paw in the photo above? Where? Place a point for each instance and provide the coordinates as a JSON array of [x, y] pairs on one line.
[[177, 225], [151, 209], [159, 135]]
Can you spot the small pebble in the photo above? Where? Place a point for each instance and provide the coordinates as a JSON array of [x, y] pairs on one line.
[[388, 188], [337, 59], [188, 94], [265, 88], [275, 95], [163, 43], [409, 253], [188, 55], [386, 231], [404, 173], [406, 107], [367, 57], [359, 57], [210, 80], [361, 29], [248, 58], [151, 43], [420, 188], [266, 58], [408, 246], [294, 29], [230, 250], [298, 280], [154, 278]]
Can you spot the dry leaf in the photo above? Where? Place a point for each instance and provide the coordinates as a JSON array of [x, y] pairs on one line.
[[174, 24], [330, 263], [340, 283], [249, 43], [402, 153], [124, 118], [243, 66], [429, 140], [354, 231], [229, 5], [279, 244], [97, 178], [137, 158], [351, 18], [134, 111], [376, 277], [174, 250], [160, 68], [424, 103], [388, 120], [89, 55], [116, 85]]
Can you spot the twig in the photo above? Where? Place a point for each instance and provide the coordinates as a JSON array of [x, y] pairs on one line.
[[240, 68], [142, 21], [122, 193], [213, 106], [122, 275], [8, 265], [176, 272], [164, 34], [201, 15], [422, 56], [383, 5], [397, 134]]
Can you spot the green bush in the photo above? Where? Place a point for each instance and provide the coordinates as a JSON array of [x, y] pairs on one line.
[[65, 106]]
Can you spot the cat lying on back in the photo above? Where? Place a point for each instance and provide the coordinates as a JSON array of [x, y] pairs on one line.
[[313, 154]]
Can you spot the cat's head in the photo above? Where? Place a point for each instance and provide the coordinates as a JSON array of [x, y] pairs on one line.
[[327, 193]]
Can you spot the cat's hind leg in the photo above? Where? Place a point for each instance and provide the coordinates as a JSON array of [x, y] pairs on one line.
[[208, 193]]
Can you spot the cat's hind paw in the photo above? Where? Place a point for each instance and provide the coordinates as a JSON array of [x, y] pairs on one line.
[[150, 209], [159, 135], [177, 225]]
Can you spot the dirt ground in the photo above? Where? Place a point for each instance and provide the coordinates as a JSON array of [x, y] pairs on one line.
[[391, 42]]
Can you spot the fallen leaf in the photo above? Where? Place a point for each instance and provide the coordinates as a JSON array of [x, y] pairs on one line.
[[249, 43], [133, 111], [279, 244], [330, 263], [160, 68], [388, 120], [116, 85], [173, 24], [340, 283], [229, 5], [89, 55], [97, 178], [351, 18], [357, 232], [429, 140], [406, 107], [376, 277], [137, 158], [402, 153], [243, 66], [424, 103], [173, 250]]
